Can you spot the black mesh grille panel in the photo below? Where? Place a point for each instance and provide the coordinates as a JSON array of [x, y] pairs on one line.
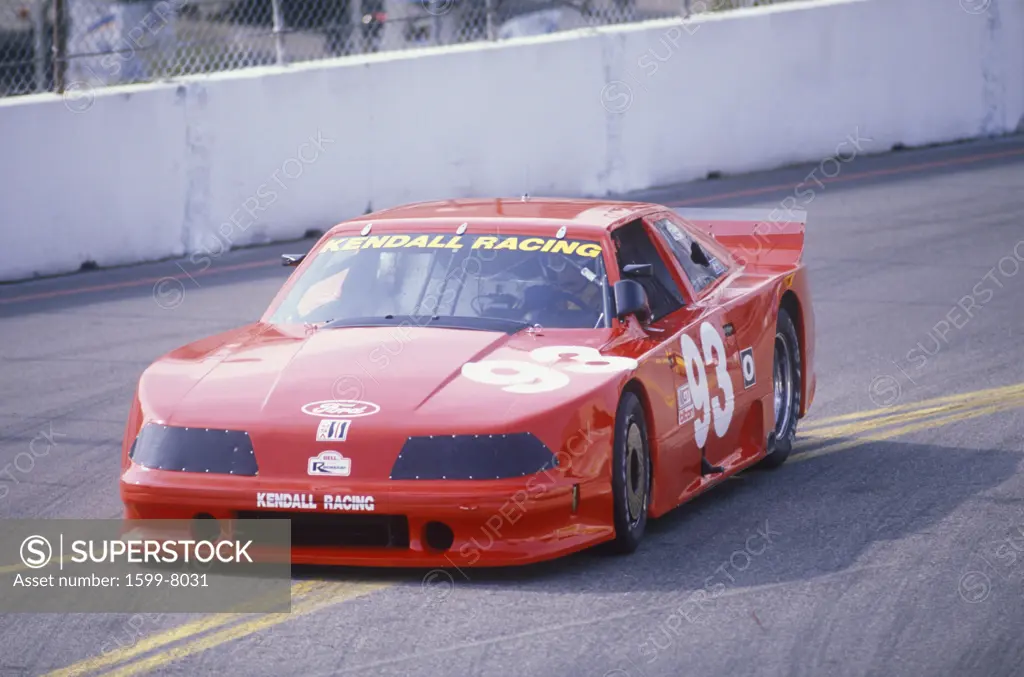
[[205, 450], [472, 457]]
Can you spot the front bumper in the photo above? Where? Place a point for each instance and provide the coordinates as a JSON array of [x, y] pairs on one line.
[[491, 522]]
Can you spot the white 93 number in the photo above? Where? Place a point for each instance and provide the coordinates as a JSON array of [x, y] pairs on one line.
[[520, 376], [710, 408]]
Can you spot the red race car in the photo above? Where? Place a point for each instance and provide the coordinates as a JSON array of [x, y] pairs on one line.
[[487, 382]]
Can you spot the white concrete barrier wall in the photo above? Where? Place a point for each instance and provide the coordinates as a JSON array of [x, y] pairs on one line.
[[153, 171], [107, 186]]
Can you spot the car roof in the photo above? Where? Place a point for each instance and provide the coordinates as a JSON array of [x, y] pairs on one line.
[[581, 214]]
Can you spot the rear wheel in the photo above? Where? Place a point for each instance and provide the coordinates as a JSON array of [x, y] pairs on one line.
[[631, 474], [786, 371]]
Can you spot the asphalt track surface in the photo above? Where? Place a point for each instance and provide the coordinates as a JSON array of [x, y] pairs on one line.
[[892, 544]]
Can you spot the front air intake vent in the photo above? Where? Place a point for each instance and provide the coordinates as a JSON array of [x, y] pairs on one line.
[[200, 450], [472, 457]]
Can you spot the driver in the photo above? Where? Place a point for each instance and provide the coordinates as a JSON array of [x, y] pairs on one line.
[[564, 288]]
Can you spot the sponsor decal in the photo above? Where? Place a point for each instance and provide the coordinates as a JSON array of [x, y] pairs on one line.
[[349, 503], [432, 241], [684, 403], [330, 463], [340, 408], [520, 376], [333, 502], [265, 499], [332, 430], [747, 363]]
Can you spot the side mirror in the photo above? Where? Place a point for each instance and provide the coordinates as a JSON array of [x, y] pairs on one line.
[[292, 259], [638, 270], [698, 256], [631, 299]]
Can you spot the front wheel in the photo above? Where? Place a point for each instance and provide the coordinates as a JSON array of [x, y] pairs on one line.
[[786, 372], [631, 474]]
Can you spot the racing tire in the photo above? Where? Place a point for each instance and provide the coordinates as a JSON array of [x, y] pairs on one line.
[[786, 388], [631, 475]]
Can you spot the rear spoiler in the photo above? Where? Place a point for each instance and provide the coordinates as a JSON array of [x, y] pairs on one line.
[[756, 237]]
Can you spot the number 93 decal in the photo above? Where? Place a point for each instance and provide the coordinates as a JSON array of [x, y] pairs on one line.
[[715, 410], [520, 376]]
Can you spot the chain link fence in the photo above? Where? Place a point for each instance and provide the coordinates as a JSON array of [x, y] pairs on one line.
[[58, 45]]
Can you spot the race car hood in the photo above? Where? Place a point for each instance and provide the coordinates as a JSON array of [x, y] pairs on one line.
[[278, 384]]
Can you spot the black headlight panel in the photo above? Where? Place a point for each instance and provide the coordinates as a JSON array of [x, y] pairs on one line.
[[203, 450], [472, 457]]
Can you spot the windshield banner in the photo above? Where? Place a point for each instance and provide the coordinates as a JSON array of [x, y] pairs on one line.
[[433, 241]]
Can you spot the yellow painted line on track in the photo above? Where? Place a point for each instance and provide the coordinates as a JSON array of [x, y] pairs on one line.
[[341, 593], [23, 567], [906, 430], [1004, 391], [176, 634], [1009, 398]]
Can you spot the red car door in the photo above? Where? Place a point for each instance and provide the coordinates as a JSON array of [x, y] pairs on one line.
[[675, 453], [709, 380]]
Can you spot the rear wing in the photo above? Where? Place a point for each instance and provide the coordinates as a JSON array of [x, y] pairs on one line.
[[754, 237]]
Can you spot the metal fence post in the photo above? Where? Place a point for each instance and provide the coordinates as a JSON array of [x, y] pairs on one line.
[[59, 46], [278, 31], [39, 45], [489, 9]]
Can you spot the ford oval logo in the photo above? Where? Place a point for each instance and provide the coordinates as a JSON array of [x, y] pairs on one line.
[[340, 408]]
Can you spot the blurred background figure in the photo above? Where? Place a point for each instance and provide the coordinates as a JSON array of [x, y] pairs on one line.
[[116, 40]]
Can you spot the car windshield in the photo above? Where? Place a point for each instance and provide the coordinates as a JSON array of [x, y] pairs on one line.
[[496, 283]]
